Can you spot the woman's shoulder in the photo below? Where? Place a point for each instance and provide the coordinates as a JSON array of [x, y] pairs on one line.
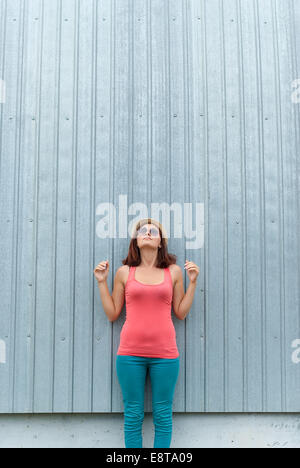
[[175, 268], [123, 273], [123, 268], [176, 272]]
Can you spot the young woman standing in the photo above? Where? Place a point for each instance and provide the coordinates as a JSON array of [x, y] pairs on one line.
[[151, 283]]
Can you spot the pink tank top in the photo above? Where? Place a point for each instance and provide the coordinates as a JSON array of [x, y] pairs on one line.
[[148, 329]]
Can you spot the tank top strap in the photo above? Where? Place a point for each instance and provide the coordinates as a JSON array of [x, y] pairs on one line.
[[169, 276], [131, 273]]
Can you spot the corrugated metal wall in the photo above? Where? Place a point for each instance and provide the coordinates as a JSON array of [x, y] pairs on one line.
[[162, 101]]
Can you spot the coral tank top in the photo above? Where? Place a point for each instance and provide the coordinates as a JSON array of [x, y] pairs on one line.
[[148, 329]]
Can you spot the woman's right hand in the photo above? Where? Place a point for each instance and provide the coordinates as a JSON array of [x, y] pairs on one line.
[[101, 271]]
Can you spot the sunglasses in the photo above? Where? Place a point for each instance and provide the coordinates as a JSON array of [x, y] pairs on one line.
[[143, 231]]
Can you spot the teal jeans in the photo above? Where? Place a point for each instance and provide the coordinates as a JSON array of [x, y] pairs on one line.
[[131, 372]]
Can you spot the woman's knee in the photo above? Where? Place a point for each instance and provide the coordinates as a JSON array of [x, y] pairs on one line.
[[134, 414], [162, 414]]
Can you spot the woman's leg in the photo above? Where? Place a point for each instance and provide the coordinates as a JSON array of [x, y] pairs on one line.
[[131, 372], [163, 374]]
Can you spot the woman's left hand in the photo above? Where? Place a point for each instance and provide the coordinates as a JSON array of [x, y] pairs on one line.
[[192, 270]]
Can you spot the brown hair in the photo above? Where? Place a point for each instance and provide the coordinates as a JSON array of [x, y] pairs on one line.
[[164, 258]]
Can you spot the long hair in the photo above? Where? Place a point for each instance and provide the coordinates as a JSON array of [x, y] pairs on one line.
[[164, 258]]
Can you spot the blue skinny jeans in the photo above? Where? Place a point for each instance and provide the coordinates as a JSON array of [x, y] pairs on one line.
[[131, 372]]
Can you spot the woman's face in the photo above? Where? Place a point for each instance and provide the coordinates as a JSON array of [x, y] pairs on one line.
[[148, 235]]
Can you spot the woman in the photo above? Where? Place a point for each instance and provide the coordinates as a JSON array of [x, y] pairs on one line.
[[151, 283]]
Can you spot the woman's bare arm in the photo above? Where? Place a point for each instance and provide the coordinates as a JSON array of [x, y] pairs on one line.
[[113, 303], [182, 302]]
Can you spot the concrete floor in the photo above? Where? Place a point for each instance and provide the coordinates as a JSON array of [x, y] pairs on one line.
[[211, 430]]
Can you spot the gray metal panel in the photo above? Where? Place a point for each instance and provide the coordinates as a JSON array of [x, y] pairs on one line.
[[168, 102]]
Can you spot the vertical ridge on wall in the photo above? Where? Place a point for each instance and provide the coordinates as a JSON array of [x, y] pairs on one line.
[[272, 388], [24, 218], [215, 294], [46, 203], [66, 96], [4, 323], [123, 143], [83, 307], [281, 208], [194, 333], [178, 163], [92, 178], [244, 337], [292, 143], [261, 235], [113, 155], [9, 201], [104, 146], [206, 203], [234, 367]]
